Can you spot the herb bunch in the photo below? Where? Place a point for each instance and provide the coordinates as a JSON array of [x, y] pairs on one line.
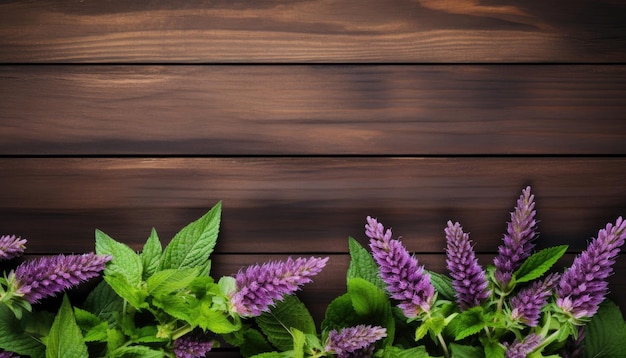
[[163, 301]]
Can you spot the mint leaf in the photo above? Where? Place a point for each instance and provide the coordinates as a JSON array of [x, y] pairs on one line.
[[372, 303], [462, 351], [605, 333], [93, 328], [137, 352], [104, 302], [397, 352], [340, 313], [125, 261], [151, 255], [254, 343], [298, 343], [168, 281], [290, 313], [469, 322], [14, 338], [362, 265], [65, 339], [443, 285], [133, 295], [193, 245], [539, 263], [494, 350]]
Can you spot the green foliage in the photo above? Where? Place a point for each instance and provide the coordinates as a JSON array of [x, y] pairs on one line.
[[15, 335], [362, 265], [65, 338], [605, 334], [289, 314], [539, 263]]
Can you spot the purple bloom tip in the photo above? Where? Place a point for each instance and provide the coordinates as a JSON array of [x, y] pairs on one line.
[[468, 276], [348, 341], [406, 281], [517, 242], [524, 348], [257, 287], [527, 304], [11, 246], [47, 276], [192, 346], [583, 286]]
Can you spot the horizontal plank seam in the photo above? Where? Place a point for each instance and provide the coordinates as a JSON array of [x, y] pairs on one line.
[[307, 155], [275, 64]]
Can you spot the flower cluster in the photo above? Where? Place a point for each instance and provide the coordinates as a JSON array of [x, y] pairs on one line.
[[352, 341], [192, 346], [406, 280], [258, 287], [469, 282], [518, 240], [11, 246], [516, 303]]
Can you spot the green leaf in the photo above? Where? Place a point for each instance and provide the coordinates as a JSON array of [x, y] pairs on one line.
[[469, 322], [290, 313], [373, 303], [362, 265], [340, 313], [254, 343], [443, 285], [494, 350], [287, 354], [298, 343], [135, 296], [65, 339], [605, 333], [151, 255], [539, 263], [104, 302], [168, 281], [462, 351], [13, 336], [193, 245], [125, 261], [137, 352], [93, 328], [397, 352]]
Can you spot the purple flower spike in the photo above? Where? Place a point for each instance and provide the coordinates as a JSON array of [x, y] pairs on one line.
[[469, 282], [47, 276], [583, 286], [11, 246], [259, 286], [522, 349], [527, 304], [406, 281], [8, 355], [518, 245], [351, 340], [192, 346]]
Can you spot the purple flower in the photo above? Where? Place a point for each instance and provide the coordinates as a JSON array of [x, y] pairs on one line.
[[46, 276], [259, 286], [583, 286], [8, 355], [11, 246], [351, 340], [406, 281], [521, 230], [527, 304], [522, 349], [469, 282], [192, 346]]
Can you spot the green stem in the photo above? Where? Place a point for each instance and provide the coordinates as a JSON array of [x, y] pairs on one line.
[[181, 331], [443, 345]]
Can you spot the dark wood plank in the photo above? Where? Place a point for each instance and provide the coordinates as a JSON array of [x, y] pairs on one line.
[[243, 110], [319, 31], [274, 205]]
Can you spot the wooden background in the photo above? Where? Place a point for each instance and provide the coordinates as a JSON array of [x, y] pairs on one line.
[[306, 116]]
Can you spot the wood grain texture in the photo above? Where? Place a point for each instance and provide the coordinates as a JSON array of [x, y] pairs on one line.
[[279, 31], [282, 205], [312, 110]]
